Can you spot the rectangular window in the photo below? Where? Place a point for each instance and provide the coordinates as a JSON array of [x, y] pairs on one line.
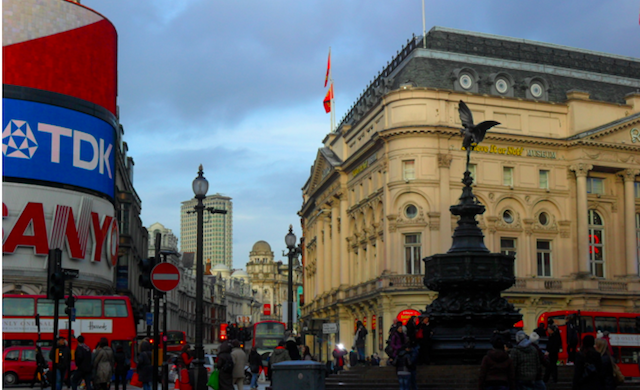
[[544, 179], [409, 169], [115, 308], [412, 254], [595, 185], [607, 323], [472, 170], [18, 307], [89, 308], [507, 176], [544, 258], [636, 188], [508, 247]]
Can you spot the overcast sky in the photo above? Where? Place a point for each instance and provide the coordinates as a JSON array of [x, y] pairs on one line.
[[238, 86]]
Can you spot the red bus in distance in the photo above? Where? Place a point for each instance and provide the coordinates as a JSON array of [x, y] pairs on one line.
[[174, 340]]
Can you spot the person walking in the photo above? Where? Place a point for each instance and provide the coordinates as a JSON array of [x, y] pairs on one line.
[[554, 344], [292, 346], [602, 346], [145, 366], [588, 371], [542, 358], [525, 361], [84, 368], [225, 366], [255, 363], [360, 340], [60, 354], [572, 339], [497, 371], [122, 368], [41, 366], [103, 364], [402, 361], [338, 358], [183, 367], [239, 362]]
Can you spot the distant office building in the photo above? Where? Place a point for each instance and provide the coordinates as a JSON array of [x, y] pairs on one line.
[[217, 229]]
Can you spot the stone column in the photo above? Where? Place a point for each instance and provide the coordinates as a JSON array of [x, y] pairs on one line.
[[320, 261], [629, 177], [444, 162], [327, 251], [345, 266], [335, 244], [582, 213]]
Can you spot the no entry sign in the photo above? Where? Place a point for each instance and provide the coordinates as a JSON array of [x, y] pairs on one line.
[[165, 277]]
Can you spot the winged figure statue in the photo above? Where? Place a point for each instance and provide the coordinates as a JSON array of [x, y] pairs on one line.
[[473, 134]]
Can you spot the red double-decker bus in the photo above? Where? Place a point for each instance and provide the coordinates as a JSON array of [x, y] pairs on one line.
[[96, 317], [174, 340], [624, 329]]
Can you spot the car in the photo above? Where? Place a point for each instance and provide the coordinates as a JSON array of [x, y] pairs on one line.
[[19, 364], [210, 361]]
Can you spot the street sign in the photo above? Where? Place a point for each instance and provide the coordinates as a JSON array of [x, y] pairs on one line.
[[330, 327], [149, 319], [70, 273], [165, 277]]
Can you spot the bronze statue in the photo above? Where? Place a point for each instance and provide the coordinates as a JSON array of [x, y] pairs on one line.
[[473, 134]]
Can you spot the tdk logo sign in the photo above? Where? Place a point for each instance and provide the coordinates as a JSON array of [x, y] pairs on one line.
[[18, 140], [55, 144]]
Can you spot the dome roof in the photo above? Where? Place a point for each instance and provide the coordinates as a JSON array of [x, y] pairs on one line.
[[220, 268], [261, 246], [240, 274]]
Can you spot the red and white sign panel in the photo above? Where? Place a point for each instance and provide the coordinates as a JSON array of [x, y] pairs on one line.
[[266, 309], [165, 277]]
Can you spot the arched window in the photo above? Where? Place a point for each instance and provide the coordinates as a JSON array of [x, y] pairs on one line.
[[596, 244]]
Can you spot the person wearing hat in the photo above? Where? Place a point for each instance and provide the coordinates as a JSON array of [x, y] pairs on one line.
[[554, 344], [526, 361]]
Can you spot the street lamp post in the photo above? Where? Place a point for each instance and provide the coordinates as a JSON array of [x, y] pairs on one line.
[[200, 187], [294, 251]]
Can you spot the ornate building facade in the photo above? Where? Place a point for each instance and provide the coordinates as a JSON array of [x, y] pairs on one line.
[[558, 177]]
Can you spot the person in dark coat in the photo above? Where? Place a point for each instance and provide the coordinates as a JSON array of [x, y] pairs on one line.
[[602, 346], [541, 330], [404, 365], [225, 365], [145, 366], [84, 369], [62, 355], [292, 347], [398, 340], [526, 361], [41, 365], [353, 357], [122, 368], [572, 338], [588, 371], [255, 363], [554, 344], [423, 338], [497, 371], [360, 340]]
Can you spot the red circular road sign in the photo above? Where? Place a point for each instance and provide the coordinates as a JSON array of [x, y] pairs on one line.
[[165, 277]]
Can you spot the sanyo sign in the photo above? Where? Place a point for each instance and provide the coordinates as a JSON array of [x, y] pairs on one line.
[[54, 144], [36, 219]]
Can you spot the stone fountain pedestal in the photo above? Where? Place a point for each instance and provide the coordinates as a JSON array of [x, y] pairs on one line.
[[469, 280]]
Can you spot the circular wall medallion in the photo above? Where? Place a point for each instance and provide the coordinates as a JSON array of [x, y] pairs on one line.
[[507, 216], [411, 211], [543, 218], [536, 90], [466, 81], [502, 86]]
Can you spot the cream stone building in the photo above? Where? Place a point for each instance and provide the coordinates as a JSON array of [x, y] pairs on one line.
[[558, 177]]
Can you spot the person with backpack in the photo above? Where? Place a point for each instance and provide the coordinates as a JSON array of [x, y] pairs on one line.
[[403, 364], [122, 368], [588, 373], [60, 353], [225, 366]]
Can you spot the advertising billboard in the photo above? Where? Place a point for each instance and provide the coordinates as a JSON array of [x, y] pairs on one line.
[[54, 144], [36, 219]]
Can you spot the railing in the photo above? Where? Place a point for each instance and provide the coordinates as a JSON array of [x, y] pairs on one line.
[[553, 285], [612, 286]]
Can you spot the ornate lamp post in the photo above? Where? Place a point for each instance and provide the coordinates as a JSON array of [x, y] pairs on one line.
[[294, 251], [200, 188]]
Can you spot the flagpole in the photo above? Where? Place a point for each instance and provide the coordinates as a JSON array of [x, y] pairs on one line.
[[424, 28], [333, 104]]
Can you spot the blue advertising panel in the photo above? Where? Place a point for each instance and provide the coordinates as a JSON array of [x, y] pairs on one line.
[[55, 144]]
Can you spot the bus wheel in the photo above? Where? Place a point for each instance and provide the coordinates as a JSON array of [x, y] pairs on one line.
[[10, 378]]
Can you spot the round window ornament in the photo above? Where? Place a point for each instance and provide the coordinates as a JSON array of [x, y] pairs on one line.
[[543, 218], [502, 86], [507, 216], [411, 211], [466, 81], [536, 90]]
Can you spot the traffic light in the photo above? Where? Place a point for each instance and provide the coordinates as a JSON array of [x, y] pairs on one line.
[[145, 266], [55, 277]]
